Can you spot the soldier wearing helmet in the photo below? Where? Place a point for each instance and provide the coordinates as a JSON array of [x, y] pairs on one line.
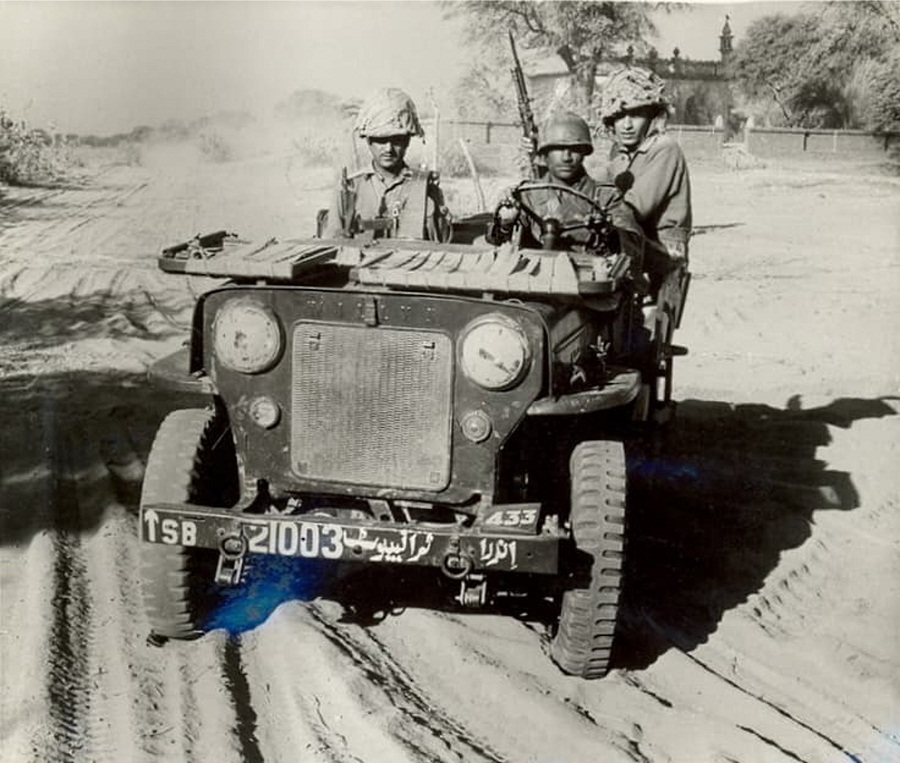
[[387, 197], [564, 142], [649, 168], [646, 164]]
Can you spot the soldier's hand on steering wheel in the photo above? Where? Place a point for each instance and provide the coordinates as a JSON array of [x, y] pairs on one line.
[[507, 214], [594, 218]]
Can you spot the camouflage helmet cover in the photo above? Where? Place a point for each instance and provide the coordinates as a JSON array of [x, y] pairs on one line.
[[631, 88], [388, 112], [565, 130]]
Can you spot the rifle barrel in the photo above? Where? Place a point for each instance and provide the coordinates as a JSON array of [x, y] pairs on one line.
[[526, 115]]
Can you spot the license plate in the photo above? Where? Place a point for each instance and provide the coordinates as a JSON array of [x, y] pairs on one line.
[[334, 541]]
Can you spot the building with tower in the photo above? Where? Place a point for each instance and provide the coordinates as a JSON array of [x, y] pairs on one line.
[[700, 91]]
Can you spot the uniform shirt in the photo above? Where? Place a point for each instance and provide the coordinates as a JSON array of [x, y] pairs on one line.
[[568, 209], [395, 197], [661, 193]]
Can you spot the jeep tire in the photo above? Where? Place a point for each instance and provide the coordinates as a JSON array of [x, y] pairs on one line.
[[192, 461], [587, 621]]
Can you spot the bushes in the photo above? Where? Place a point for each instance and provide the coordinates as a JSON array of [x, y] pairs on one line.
[[315, 150], [214, 147], [317, 142], [882, 111], [30, 156]]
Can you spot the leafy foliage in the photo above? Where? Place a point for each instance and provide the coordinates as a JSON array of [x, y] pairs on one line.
[[581, 33], [816, 65], [30, 156], [881, 109], [486, 92], [214, 147]]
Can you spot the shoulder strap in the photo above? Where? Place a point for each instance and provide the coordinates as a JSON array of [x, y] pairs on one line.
[[360, 173], [412, 218]]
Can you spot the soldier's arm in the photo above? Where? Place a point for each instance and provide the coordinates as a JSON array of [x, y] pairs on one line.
[[660, 193], [621, 214]]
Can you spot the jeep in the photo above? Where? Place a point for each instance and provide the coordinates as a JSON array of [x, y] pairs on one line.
[[405, 403]]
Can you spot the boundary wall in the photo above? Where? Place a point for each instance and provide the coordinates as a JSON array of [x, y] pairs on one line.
[[496, 141]]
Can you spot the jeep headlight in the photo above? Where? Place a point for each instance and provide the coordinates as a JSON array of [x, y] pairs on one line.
[[494, 352], [246, 337]]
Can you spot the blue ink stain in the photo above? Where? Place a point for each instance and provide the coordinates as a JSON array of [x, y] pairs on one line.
[[664, 468], [270, 581]]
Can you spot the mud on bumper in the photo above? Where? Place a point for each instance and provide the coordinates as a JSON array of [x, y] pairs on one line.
[[457, 551]]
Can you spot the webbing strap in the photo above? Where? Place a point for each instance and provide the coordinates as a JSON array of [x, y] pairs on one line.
[[412, 216]]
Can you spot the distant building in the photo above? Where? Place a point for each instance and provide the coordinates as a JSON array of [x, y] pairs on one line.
[[700, 91]]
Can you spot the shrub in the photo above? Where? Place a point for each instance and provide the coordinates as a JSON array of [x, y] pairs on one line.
[[316, 148], [31, 156], [214, 147]]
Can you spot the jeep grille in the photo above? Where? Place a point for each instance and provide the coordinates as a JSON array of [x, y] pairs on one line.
[[371, 406]]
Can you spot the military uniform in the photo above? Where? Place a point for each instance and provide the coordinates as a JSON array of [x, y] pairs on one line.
[[660, 193], [408, 205], [566, 131], [653, 175], [393, 202], [568, 209], [660, 186]]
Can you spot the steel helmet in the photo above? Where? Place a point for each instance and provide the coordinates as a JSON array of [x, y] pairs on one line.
[[631, 88], [563, 130], [388, 112]]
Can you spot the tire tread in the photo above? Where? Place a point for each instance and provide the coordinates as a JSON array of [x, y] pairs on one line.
[[585, 634]]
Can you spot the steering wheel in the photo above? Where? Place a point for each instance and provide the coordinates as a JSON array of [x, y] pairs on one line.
[[526, 186]]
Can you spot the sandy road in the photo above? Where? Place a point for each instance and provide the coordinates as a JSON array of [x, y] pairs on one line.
[[765, 594]]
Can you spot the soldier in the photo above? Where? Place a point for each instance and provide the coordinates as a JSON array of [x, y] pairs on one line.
[[388, 197], [646, 164], [565, 141], [649, 168]]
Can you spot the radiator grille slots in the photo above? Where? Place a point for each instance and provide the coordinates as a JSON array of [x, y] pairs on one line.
[[371, 406]]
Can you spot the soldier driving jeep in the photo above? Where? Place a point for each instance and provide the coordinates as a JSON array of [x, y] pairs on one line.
[[565, 141]]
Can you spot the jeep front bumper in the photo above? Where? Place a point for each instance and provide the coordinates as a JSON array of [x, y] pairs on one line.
[[458, 551]]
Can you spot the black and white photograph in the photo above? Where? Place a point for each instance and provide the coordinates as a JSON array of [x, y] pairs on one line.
[[449, 381]]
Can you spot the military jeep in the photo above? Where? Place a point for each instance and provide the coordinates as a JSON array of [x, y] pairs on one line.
[[404, 403]]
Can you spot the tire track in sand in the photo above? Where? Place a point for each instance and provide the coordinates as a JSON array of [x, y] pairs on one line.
[[418, 713], [71, 622], [107, 696], [180, 707], [324, 693]]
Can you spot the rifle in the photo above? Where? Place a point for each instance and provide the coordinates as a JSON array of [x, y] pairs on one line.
[[213, 240], [348, 206], [526, 115]]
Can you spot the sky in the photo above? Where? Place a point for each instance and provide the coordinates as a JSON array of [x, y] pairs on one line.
[[106, 67]]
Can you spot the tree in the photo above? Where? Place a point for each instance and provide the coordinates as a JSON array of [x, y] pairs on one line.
[[881, 103], [485, 92], [810, 63], [581, 33], [767, 61]]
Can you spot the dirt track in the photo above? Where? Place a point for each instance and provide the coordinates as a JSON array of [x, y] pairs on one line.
[[765, 615]]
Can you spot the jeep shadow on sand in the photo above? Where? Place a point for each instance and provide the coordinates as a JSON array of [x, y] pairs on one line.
[[374, 400]]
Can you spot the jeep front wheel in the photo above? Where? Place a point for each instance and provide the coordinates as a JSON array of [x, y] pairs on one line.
[[587, 620], [191, 461]]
